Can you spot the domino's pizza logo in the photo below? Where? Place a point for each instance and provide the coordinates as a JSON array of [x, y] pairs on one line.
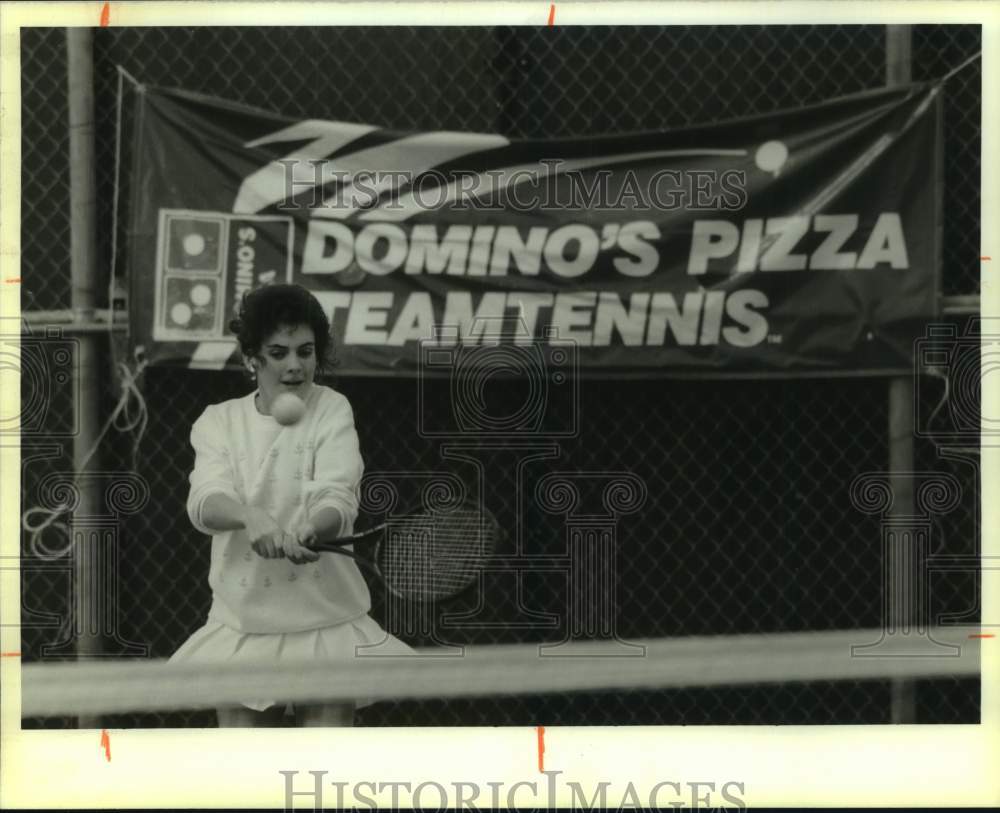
[[205, 261]]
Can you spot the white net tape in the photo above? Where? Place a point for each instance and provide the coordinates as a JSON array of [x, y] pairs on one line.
[[111, 687]]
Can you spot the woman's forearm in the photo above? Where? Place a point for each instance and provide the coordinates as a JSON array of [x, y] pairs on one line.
[[222, 513], [329, 524]]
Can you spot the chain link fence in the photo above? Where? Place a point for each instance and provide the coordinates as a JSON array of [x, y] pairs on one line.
[[748, 523]]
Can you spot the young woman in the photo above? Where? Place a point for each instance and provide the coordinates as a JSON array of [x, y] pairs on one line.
[[263, 491]]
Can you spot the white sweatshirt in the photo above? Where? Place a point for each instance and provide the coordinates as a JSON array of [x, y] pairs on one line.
[[292, 473]]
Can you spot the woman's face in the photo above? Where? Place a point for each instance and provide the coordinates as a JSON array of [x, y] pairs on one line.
[[287, 363]]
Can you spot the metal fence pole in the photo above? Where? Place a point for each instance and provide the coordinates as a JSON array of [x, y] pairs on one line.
[[898, 71], [83, 269]]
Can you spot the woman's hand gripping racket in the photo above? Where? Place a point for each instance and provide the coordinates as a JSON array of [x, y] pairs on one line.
[[425, 555]]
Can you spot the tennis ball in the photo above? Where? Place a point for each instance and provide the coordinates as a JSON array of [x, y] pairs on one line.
[[288, 409], [771, 156]]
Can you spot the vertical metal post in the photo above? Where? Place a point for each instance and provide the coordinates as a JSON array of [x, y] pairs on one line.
[[900, 603], [83, 267], [898, 46], [898, 50]]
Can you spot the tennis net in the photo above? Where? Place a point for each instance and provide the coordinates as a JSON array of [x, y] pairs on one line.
[[766, 662]]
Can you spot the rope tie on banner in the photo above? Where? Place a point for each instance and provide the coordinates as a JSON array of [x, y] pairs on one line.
[[941, 375], [129, 415]]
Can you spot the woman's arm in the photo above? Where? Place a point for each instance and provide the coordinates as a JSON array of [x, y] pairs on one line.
[[328, 523], [220, 512], [212, 477], [331, 495], [213, 503]]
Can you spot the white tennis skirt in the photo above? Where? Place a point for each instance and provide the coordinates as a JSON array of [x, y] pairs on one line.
[[217, 643]]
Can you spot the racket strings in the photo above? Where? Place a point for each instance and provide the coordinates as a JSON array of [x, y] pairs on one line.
[[436, 555]]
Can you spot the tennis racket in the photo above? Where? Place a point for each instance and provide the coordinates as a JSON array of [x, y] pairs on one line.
[[425, 555]]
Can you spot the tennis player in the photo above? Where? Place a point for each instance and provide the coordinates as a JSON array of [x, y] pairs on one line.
[[263, 491]]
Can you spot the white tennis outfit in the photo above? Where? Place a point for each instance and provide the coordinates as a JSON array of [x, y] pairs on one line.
[[266, 610]]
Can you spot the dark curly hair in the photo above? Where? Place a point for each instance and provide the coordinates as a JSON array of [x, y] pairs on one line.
[[264, 310]]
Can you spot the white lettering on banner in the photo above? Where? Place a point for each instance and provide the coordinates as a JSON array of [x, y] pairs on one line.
[[711, 319], [749, 246], [787, 231], [244, 263], [740, 308], [479, 257], [613, 315], [585, 318], [683, 322], [571, 250], [458, 313], [588, 318], [317, 256], [568, 251], [775, 251], [415, 321], [886, 244], [632, 239], [381, 262], [427, 254], [528, 307], [828, 254], [526, 254], [368, 312], [573, 312], [711, 239], [587, 244]]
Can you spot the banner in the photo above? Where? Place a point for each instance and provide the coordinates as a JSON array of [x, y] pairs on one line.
[[804, 240]]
